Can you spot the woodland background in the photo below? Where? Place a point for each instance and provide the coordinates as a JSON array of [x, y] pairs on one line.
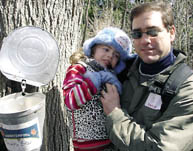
[[71, 22]]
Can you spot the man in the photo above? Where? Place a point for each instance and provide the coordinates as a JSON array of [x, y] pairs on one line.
[[135, 122]]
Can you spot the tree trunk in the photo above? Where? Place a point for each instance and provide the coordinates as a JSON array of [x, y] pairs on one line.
[[62, 19]]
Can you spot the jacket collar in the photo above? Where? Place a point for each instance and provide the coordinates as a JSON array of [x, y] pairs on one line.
[[160, 77]]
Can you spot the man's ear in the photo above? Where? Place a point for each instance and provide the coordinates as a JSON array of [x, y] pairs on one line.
[[172, 31]]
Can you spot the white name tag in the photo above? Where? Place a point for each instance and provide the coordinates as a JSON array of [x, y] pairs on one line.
[[154, 101]]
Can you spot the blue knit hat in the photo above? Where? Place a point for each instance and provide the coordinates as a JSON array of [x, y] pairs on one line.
[[115, 38]]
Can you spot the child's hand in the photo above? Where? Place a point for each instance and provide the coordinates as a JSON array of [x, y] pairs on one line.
[[108, 77], [102, 77], [95, 78]]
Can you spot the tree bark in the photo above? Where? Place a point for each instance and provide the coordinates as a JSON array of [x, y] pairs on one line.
[[184, 27], [62, 19]]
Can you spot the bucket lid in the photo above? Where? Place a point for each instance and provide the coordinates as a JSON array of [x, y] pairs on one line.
[[29, 53]]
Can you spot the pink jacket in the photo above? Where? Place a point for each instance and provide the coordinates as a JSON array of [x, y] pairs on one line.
[[77, 89]]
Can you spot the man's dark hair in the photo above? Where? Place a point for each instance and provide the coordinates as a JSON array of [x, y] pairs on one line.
[[163, 7]]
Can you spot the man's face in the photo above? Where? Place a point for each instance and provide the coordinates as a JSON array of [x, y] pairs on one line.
[[152, 47]]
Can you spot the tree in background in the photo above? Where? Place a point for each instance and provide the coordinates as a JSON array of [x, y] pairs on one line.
[[184, 25], [62, 19]]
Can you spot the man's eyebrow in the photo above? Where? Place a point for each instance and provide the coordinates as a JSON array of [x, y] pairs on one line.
[[152, 27], [139, 29]]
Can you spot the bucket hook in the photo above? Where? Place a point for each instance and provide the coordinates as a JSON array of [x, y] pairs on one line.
[[23, 86]]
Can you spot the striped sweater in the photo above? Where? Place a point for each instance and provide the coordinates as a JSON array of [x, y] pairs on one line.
[[77, 89]]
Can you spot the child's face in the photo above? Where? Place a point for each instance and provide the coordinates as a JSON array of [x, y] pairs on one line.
[[106, 56]]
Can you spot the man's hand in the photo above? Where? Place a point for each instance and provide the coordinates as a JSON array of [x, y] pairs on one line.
[[110, 99]]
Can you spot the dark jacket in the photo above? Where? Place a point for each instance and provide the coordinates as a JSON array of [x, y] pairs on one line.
[[140, 126]]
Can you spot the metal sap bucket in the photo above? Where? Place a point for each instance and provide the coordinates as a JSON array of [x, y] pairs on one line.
[[28, 55], [22, 120]]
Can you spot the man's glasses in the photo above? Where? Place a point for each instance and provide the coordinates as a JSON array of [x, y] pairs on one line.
[[136, 34]]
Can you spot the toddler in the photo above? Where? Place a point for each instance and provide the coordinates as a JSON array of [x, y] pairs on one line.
[[102, 58]]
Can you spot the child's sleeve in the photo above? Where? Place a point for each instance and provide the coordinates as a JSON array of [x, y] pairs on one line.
[[77, 90]]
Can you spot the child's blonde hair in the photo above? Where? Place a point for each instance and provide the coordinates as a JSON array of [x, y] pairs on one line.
[[77, 56]]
